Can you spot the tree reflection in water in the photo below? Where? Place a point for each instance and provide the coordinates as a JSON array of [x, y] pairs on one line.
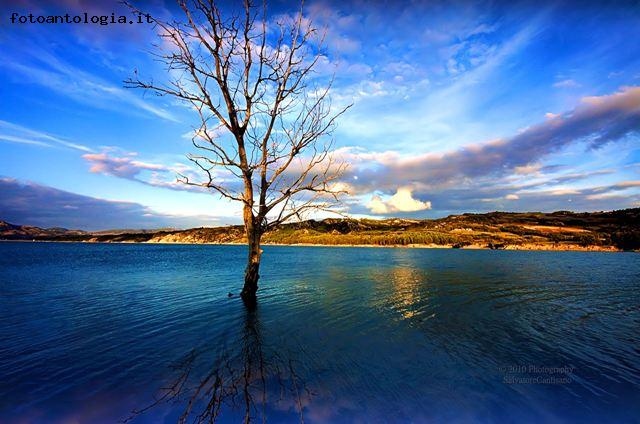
[[244, 383]]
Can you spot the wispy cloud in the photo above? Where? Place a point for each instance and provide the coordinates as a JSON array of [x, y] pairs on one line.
[[424, 108], [117, 163], [463, 172], [597, 120], [37, 66], [123, 167], [624, 189], [18, 134], [566, 83], [20, 140]]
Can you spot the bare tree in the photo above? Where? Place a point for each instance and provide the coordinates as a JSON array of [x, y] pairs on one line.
[[264, 117]]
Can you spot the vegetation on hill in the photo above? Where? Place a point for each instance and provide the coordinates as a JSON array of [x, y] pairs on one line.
[[616, 230]]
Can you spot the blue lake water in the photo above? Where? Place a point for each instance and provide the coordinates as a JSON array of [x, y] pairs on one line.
[[91, 332]]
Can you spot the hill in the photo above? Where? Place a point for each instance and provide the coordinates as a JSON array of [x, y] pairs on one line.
[[563, 230], [25, 232]]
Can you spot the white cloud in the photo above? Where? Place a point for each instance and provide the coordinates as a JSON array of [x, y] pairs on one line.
[[512, 197], [402, 201]]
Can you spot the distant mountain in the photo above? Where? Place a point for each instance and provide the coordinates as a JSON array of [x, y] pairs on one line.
[[564, 230]]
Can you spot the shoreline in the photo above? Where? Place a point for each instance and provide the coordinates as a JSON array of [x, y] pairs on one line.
[[521, 247]]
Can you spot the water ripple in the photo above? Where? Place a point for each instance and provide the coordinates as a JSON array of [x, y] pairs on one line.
[[379, 335]]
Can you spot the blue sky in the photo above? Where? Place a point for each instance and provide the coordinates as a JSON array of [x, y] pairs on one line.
[[457, 107]]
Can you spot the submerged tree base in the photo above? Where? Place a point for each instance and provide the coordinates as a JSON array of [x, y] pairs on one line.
[[251, 277], [250, 301]]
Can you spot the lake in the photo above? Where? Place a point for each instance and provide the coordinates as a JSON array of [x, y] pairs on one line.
[[96, 333]]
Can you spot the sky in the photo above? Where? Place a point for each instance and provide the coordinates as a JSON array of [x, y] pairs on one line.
[[455, 107]]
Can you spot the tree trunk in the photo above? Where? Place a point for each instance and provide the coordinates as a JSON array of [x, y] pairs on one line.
[[251, 273]]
